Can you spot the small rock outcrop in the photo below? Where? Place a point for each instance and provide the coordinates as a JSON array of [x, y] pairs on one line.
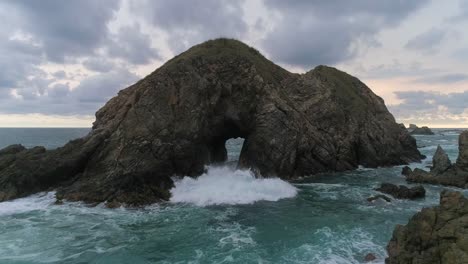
[[433, 236], [415, 130], [370, 257], [440, 161], [177, 120], [379, 197], [402, 192], [443, 172]]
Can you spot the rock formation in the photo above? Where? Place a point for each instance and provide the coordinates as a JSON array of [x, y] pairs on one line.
[[434, 235], [402, 192], [415, 130], [440, 161], [177, 120], [442, 171]]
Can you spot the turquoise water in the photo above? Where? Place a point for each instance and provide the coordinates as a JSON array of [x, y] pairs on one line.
[[225, 216]]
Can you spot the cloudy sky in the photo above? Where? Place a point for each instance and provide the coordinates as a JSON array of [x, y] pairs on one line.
[[60, 61]]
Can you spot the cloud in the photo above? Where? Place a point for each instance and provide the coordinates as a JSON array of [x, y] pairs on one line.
[[132, 45], [444, 78], [462, 14], [427, 41], [98, 64], [188, 22], [423, 102], [328, 32], [65, 28]]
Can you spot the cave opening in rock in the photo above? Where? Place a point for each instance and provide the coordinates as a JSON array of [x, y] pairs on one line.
[[226, 146]]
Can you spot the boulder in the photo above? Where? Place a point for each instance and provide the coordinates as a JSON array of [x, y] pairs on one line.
[[176, 121], [406, 171], [370, 257], [434, 235], [440, 161], [402, 192]]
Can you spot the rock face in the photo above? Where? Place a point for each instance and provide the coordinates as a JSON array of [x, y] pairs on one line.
[[443, 172], [440, 161], [415, 130], [177, 120], [402, 192], [434, 235]]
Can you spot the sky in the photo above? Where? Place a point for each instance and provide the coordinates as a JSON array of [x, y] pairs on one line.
[[60, 61]]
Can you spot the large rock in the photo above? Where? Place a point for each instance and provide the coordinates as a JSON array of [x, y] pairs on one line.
[[462, 160], [434, 235], [414, 130], [454, 175], [440, 161], [177, 120], [402, 192]]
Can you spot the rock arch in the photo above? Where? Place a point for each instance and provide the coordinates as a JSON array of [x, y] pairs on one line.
[[177, 119]]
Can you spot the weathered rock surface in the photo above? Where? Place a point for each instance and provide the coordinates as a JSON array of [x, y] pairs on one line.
[[434, 235], [440, 161], [455, 175], [177, 120], [415, 130], [402, 192]]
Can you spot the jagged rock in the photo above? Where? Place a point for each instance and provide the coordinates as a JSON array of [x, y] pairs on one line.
[[379, 196], [456, 175], [434, 235], [421, 131], [412, 126], [402, 192], [177, 120], [440, 161]]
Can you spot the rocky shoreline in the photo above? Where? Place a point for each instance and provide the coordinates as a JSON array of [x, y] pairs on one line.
[[177, 120]]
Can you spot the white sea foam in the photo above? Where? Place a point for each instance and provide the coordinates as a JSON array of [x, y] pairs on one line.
[[31, 203], [223, 185]]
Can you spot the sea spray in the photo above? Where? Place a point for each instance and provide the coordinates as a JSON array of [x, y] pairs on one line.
[[224, 185]]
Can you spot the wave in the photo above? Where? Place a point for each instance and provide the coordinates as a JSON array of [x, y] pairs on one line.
[[223, 185], [31, 203]]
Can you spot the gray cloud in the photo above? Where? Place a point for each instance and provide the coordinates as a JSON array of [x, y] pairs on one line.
[[420, 102], [462, 15], [428, 40], [132, 45], [325, 32], [189, 22], [65, 28], [444, 78], [98, 64]]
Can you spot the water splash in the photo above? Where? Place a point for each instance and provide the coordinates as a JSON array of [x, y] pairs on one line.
[[223, 185]]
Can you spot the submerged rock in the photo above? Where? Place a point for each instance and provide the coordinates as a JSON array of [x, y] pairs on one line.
[[434, 235], [378, 197], [370, 257], [402, 192], [443, 172], [177, 120]]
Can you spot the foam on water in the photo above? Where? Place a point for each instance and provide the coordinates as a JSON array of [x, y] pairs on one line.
[[34, 202], [223, 185]]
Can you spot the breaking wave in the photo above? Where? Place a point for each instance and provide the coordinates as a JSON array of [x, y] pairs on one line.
[[223, 185]]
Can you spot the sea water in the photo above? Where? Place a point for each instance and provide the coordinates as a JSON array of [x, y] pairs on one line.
[[224, 216]]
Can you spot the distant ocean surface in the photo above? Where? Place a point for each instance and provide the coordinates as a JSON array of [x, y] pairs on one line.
[[224, 216]]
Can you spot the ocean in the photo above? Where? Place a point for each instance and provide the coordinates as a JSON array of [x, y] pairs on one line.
[[223, 216]]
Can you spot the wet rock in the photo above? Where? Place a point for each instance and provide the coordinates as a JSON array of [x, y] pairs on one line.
[[177, 120], [440, 161], [462, 160], [370, 257], [415, 130], [402, 192], [406, 171], [378, 197], [434, 235], [455, 175]]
